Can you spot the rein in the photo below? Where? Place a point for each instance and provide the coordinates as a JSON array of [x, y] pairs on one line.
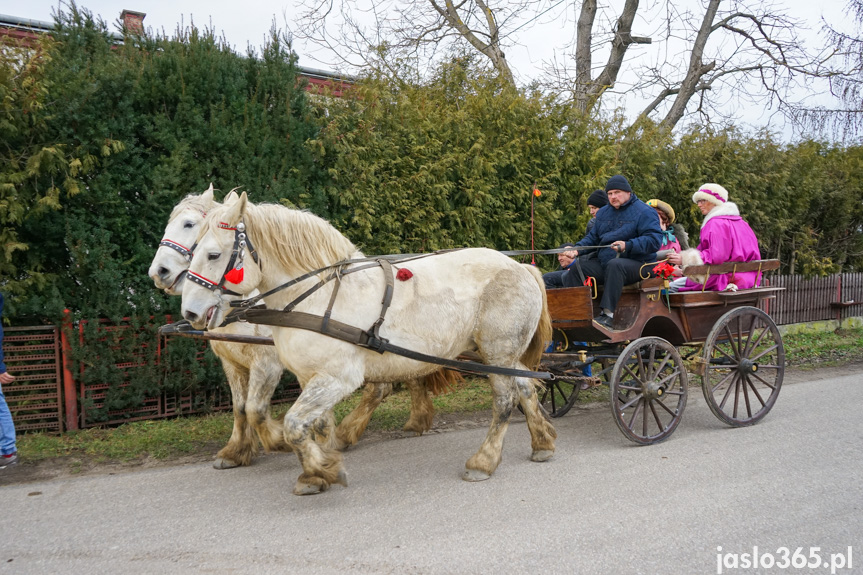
[[325, 325], [370, 338], [391, 258]]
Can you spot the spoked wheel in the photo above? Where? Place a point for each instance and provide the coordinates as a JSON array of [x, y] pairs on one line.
[[744, 363], [559, 396], [648, 390]]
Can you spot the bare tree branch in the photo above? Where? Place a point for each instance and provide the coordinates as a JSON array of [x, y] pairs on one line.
[[843, 66], [583, 54], [705, 58], [622, 41], [697, 69], [491, 49]]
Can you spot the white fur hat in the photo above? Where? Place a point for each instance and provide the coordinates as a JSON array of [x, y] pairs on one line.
[[713, 193]]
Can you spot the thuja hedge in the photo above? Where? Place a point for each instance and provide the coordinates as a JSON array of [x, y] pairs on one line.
[[451, 162], [101, 139], [107, 139]]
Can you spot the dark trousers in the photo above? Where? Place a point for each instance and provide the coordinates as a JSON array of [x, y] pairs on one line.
[[554, 280], [617, 273]]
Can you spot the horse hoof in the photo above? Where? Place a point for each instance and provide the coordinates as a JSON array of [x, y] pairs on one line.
[[474, 475], [541, 455], [308, 489], [342, 478], [416, 429], [222, 463]]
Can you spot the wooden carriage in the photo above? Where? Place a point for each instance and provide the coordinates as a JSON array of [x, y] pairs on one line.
[[732, 345]]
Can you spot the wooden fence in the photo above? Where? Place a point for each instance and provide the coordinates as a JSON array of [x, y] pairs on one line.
[[47, 396], [835, 297]]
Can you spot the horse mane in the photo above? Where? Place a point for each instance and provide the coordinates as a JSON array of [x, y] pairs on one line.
[[298, 240], [190, 201]]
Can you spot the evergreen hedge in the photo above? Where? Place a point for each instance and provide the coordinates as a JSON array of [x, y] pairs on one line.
[[104, 140], [101, 140]]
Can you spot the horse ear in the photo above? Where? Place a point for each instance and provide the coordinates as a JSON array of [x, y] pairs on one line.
[[207, 196], [243, 202], [231, 197], [236, 209]]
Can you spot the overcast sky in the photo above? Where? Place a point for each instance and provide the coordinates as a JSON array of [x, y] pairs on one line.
[[246, 22]]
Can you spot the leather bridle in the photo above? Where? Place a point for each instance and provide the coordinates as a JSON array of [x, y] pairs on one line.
[[238, 253], [187, 253]]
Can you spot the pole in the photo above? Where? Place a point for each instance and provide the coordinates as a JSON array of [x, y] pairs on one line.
[[532, 195], [70, 394]]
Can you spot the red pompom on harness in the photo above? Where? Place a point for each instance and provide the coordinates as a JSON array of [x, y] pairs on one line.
[[404, 275], [235, 276]]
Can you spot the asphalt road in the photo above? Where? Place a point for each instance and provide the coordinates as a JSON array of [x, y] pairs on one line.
[[602, 505]]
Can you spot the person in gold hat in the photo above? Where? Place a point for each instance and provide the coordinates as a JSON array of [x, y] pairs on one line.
[[674, 237]]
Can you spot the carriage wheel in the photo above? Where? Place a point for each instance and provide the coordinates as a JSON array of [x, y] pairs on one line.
[[744, 363], [648, 390], [559, 396]]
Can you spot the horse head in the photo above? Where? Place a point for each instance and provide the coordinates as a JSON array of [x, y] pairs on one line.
[[168, 269], [225, 265]]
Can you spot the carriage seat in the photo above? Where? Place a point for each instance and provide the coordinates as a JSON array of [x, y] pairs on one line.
[[652, 284]]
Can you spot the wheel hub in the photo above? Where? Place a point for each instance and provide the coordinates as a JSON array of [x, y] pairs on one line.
[[654, 390], [747, 366]]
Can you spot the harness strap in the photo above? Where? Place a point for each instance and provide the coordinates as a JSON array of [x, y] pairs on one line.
[[210, 285], [580, 272], [307, 293], [329, 311], [183, 250], [338, 265], [365, 339], [337, 274], [388, 295]]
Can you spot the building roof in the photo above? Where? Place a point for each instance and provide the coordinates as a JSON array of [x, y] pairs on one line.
[[25, 28]]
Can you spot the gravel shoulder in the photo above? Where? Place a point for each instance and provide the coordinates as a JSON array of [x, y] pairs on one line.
[[75, 466]]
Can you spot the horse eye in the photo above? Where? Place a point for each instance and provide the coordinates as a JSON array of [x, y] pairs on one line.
[[189, 225], [213, 257]]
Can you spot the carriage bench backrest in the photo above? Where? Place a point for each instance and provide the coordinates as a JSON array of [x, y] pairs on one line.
[[731, 267]]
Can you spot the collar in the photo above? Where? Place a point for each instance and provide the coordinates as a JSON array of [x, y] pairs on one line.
[[726, 209]]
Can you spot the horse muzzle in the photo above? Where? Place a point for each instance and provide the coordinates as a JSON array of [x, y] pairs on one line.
[[206, 319]]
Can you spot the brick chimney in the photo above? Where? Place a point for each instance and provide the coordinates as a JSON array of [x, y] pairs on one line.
[[133, 22]]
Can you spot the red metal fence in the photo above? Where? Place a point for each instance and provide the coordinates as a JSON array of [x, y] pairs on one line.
[[32, 355], [47, 396], [91, 396]]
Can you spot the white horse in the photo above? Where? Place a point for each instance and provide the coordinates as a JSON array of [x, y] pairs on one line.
[[253, 371], [466, 300]]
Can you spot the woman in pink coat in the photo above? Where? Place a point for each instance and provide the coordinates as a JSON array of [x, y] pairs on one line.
[[725, 237]]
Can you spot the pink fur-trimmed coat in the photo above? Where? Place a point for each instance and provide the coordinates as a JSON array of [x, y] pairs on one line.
[[725, 237]]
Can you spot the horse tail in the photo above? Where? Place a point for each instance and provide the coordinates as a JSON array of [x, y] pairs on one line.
[[544, 332], [442, 381]]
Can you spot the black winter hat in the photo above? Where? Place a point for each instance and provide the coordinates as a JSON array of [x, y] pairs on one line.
[[598, 198], [618, 182]]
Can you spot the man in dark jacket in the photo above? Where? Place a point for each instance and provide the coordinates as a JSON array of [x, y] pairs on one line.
[[630, 228], [554, 280]]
